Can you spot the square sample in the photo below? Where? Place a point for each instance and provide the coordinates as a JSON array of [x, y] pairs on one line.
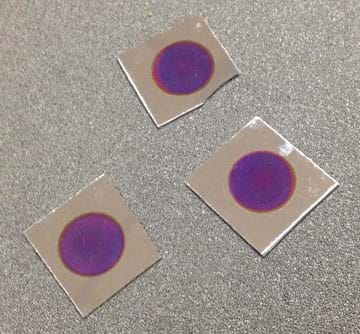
[[93, 245], [260, 184], [176, 71]]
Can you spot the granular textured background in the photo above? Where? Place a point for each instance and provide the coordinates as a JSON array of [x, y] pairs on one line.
[[68, 114]]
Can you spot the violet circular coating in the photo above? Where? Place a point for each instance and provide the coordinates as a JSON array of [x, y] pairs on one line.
[[91, 244], [262, 181], [183, 67]]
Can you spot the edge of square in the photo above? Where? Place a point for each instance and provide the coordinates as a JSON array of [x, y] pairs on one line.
[[242, 237], [132, 83], [257, 118], [100, 177], [26, 234], [267, 249], [221, 45], [84, 315]]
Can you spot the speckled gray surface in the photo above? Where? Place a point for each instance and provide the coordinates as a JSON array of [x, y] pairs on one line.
[[68, 114]]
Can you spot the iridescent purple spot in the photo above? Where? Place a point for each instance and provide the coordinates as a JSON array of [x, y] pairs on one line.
[[183, 68], [262, 181], [91, 244]]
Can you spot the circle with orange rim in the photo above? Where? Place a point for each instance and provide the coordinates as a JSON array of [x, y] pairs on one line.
[[183, 68], [262, 181], [91, 244]]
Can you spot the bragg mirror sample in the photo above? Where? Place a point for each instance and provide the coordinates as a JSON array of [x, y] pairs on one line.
[[260, 184], [177, 71], [93, 245]]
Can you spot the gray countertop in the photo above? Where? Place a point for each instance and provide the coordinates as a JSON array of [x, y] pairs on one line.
[[68, 114]]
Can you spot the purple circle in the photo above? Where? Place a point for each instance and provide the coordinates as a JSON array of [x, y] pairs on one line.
[[91, 244], [183, 67], [262, 181]]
